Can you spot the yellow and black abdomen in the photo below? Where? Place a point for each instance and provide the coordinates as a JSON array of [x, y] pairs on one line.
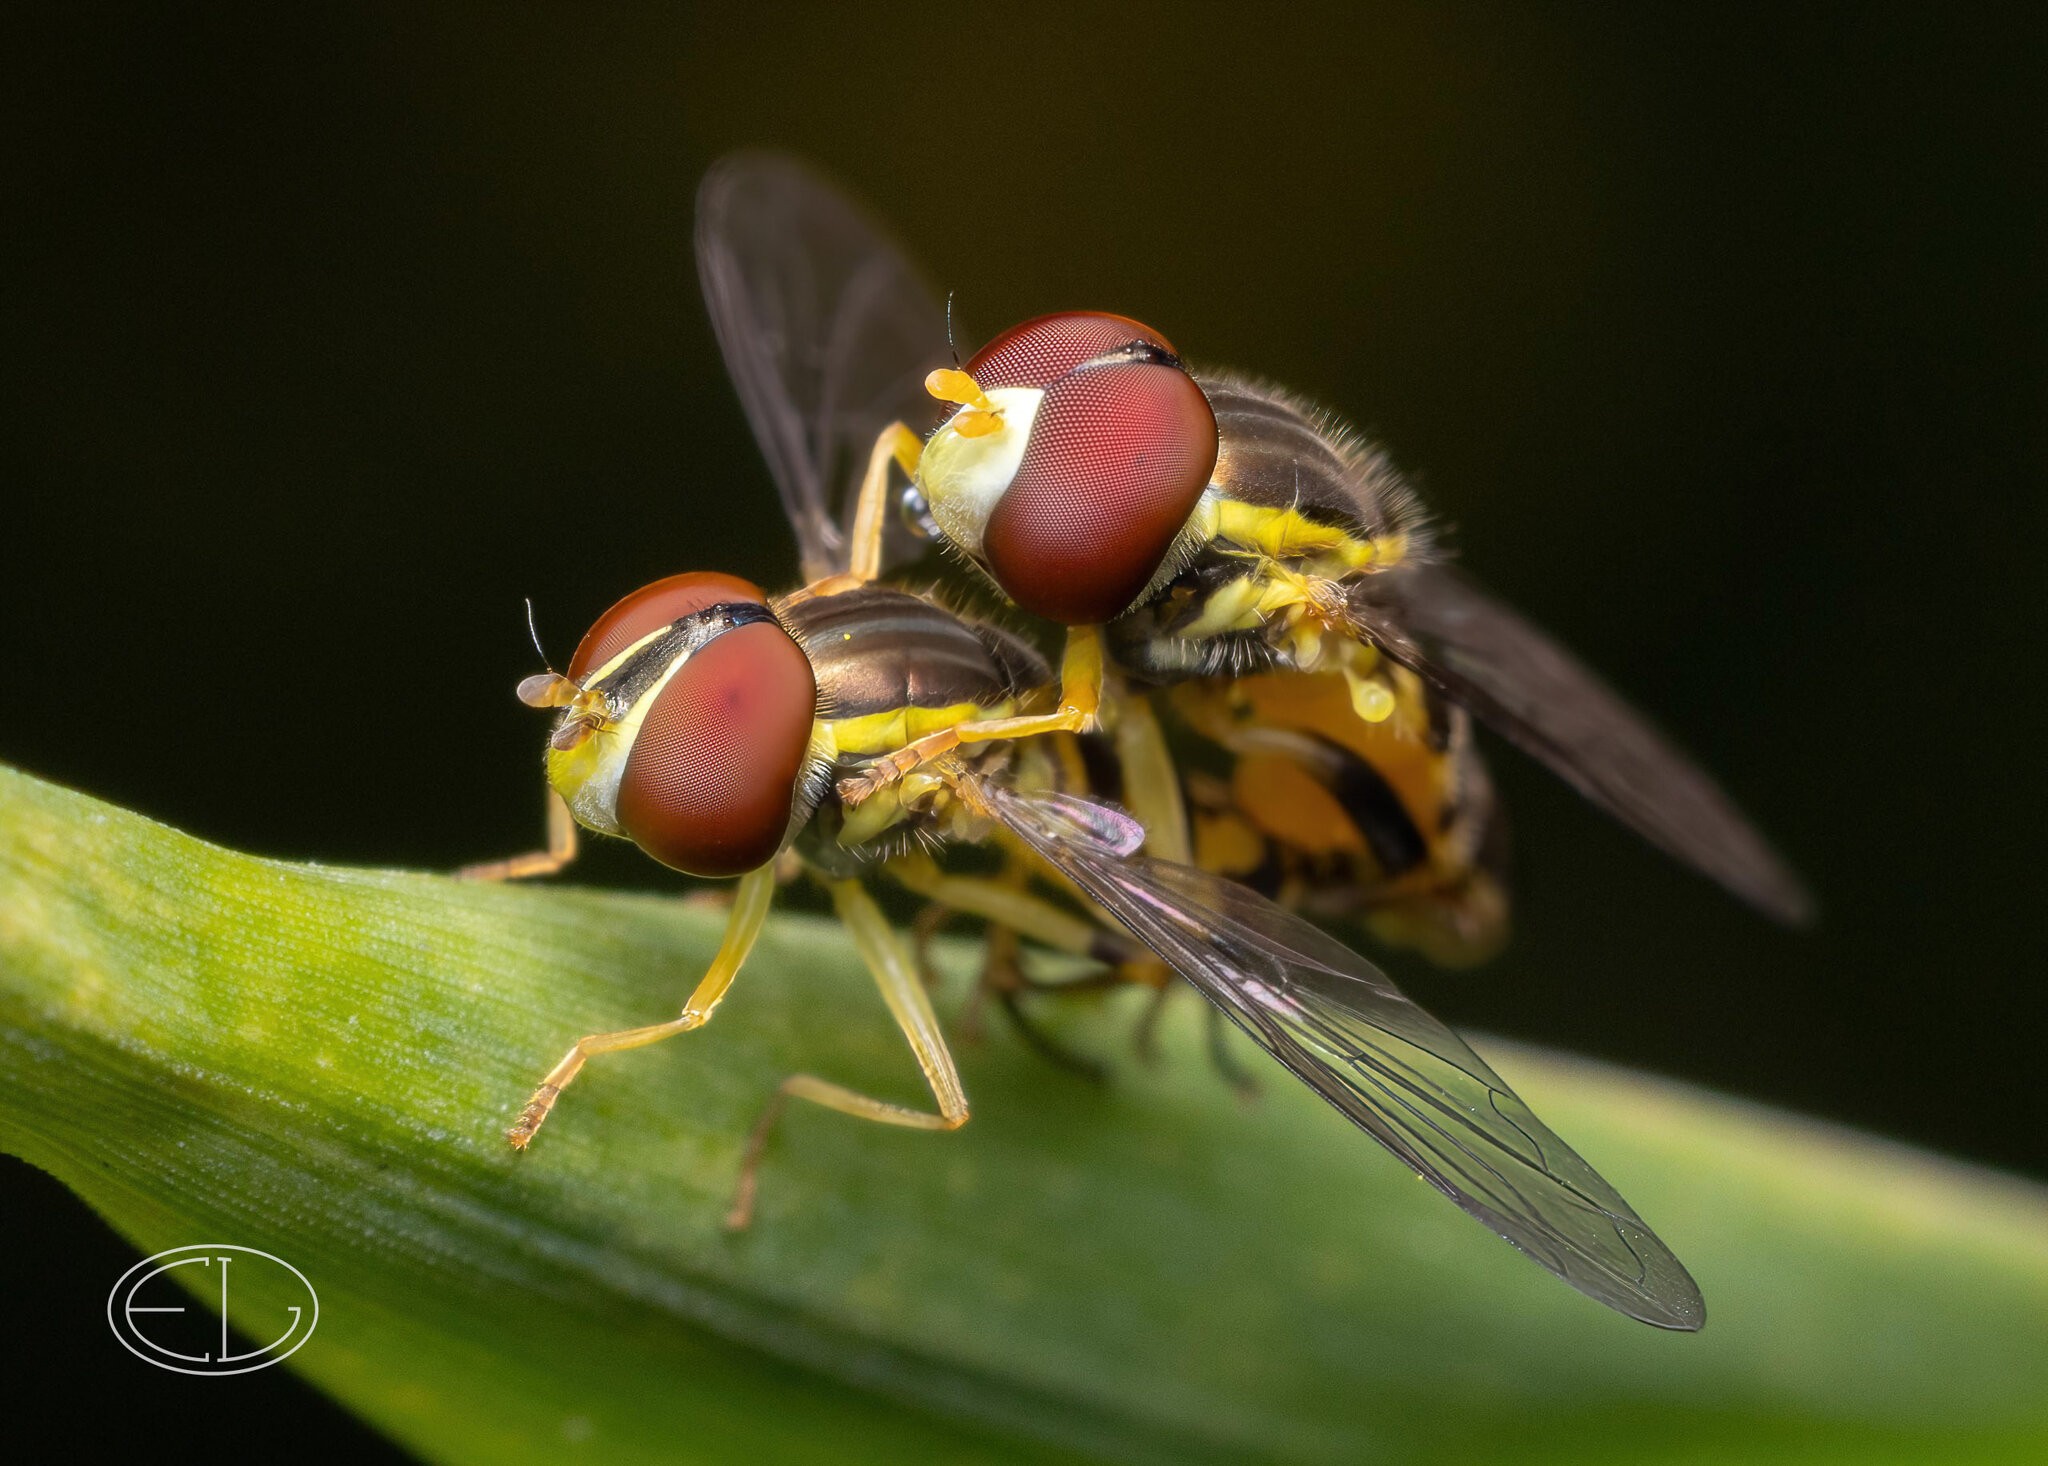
[[1392, 822]]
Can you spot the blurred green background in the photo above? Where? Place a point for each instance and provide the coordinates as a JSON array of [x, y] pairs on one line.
[[1717, 340]]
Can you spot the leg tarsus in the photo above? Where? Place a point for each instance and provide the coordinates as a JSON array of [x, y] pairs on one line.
[[1145, 1033], [1046, 1046], [749, 912], [561, 849], [832, 1096], [896, 974], [740, 1215], [521, 1133]]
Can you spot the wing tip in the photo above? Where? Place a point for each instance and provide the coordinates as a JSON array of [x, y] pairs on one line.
[[1675, 1322], [1683, 1315], [1664, 1296], [1772, 887]]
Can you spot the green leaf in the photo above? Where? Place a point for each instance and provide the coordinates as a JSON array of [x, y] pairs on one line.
[[320, 1063]]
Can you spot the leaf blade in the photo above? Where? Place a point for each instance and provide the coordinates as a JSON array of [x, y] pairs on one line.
[[321, 1063]]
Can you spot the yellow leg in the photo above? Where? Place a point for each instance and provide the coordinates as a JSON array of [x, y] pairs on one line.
[[1081, 671], [899, 445], [1152, 782], [1002, 963], [1009, 910], [749, 911], [924, 930], [999, 904], [561, 850], [1011, 913], [910, 1006], [896, 444]]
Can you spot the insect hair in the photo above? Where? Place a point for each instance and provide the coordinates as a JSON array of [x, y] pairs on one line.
[[908, 838], [1381, 493]]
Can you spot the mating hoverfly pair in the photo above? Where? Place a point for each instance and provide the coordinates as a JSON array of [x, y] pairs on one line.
[[1208, 538]]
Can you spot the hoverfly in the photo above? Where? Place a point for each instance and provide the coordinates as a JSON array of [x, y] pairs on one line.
[[1190, 527], [705, 723], [824, 327], [829, 335]]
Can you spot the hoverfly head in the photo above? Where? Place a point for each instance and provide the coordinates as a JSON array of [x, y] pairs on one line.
[[1079, 448], [686, 724]]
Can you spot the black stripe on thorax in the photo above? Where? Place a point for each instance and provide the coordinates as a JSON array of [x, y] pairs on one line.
[[684, 638], [876, 649], [1281, 453]]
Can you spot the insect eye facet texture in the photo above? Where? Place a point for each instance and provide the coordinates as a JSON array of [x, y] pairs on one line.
[[654, 606], [1045, 348], [1119, 454], [708, 786]]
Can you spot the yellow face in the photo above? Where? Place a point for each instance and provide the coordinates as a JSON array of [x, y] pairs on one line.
[[1081, 450], [587, 756], [587, 775], [971, 461]]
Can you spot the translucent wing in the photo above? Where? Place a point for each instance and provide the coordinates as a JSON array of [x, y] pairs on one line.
[[827, 331], [1398, 1074], [1540, 697]]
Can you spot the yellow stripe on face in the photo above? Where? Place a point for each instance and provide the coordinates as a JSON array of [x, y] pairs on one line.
[[587, 776]]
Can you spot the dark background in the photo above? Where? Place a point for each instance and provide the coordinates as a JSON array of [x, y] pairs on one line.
[[1718, 341]]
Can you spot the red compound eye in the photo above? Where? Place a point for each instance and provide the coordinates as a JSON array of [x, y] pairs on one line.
[[654, 606], [1044, 349], [1119, 455], [713, 772]]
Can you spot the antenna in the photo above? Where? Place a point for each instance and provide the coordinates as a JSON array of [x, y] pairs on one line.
[[951, 344], [534, 632]]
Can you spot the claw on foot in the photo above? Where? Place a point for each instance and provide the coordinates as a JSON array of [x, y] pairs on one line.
[[521, 1133], [740, 1215], [857, 789]]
